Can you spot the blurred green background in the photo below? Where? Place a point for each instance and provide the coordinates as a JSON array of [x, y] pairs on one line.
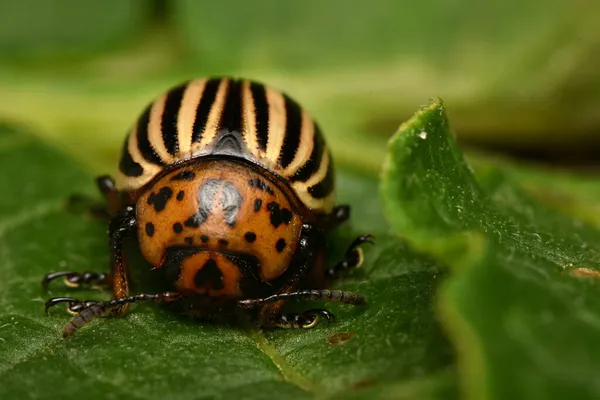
[[517, 76]]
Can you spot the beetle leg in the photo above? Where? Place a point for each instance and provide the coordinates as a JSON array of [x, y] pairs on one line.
[[83, 204], [75, 279], [338, 216], [97, 210], [270, 313], [352, 259], [121, 225], [86, 311], [307, 319], [338, 296], [107, 187]]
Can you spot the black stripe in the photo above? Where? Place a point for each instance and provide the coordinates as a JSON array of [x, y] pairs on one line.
[[231, 117], [261, 113], [325, 187], [127, 166], [206, 102], [229, 138], [169, 118], [142, 137], [312, 165], [293, 126]]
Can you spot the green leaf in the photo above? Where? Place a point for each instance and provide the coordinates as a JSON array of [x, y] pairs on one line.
[[520, 307], [393, 348]]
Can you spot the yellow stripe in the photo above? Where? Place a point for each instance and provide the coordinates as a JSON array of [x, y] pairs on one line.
[[322, 171], [277, 120], [155, 130], [187, 116], [214, 117], [322, 205], [305, 147], [249, 116], [301, 188]]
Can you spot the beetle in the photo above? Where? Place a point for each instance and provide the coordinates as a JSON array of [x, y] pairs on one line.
[[228, 187]]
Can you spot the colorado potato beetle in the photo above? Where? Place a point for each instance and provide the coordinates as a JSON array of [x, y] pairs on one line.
[[228, 186]]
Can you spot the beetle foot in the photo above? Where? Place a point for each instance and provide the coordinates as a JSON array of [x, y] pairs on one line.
[[75, 279], [84, 312], [353, 258], [307, 319]]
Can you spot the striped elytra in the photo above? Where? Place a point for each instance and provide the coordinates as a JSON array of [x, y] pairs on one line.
[[240, 118]]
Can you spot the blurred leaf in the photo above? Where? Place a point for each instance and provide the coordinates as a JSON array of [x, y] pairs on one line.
[[522, 303], [393, 348], [518, 74], [40, 27], [532, 60]]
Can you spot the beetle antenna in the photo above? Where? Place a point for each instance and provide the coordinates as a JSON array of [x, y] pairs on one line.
[[86, 311], [336, 296]]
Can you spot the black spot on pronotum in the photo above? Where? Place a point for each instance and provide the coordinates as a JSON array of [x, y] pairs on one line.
[[184, 176], [250, 237], [189, 240], [261, 185], [180, 195], [204, 238], [209, 276], [193, 221], [280, 245], [275, 214], [177, 227], [231, 200], [159, 200], [149, 229], [286, 216], [257, 205], [223, 242]]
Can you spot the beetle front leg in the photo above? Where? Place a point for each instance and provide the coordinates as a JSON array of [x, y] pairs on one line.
[[338, 216], [121, 225], [75, 279], [305, 320], [270, 312], [352, 259]]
